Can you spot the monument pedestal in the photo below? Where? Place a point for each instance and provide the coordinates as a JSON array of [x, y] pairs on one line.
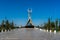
[[29, 26]]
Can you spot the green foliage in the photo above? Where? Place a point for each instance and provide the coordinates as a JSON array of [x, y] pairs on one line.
[[2, 25], [52, 25], [6, 25], [49, 25], [12, 25]]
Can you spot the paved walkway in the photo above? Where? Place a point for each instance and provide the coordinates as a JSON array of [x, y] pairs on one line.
[[29, 34]]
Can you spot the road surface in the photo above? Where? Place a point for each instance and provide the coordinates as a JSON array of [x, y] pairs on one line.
[[29, 34]]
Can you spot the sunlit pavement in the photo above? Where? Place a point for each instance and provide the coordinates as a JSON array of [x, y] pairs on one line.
[[29, 34]]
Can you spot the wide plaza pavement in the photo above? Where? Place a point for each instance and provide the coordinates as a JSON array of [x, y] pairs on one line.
[[29, 34]]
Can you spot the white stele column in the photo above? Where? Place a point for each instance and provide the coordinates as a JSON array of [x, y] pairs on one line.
[[54, 31], [2, 31], [40, 29], [5, 30], [50, 31], [47, 30]]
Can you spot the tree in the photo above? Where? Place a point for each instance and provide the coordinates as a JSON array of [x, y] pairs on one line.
[[56, 27], [52, 25], [49, 24], [7, 25], [3, 26], [45, 26], [59, 24], [12, 25]]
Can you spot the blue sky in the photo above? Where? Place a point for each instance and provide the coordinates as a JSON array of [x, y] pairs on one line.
[[16, 10]]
